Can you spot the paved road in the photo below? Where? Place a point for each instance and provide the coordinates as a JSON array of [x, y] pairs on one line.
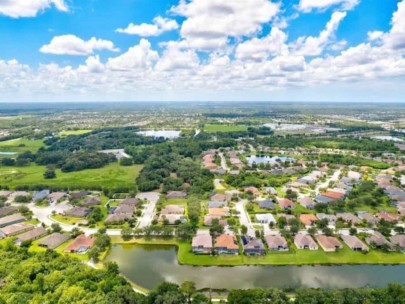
[[244, 217], [149, 211], [333, 178]]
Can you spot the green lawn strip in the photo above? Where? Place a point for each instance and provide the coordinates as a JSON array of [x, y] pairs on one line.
[[74, 132], [110, 176], [68, 220], [216, 128]]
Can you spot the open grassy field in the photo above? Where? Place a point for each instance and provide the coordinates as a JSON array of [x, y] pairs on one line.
[[215, 128], [293, 257], [109, 176], [20, 145], [73, 132]]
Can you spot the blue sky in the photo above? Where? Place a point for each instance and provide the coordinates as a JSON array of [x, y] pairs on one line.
[[310, 50]]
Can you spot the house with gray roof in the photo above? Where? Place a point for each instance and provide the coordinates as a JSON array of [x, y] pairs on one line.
[[31, 235], [11, 219], [216, 204], [54, 240], [267, 204], [14, 229], [276, 242], [92, 201], [7, 211], [377, 240], [399, 240], [80, 212], [305, 241], [265, 218], [40, 195], [321, 199], [252, 246], [354, 243]]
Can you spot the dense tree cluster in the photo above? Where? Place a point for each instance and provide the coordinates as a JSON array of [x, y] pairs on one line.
[[256, 179]]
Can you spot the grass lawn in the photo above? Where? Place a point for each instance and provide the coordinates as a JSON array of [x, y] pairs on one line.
[[110, 176], [20, 145], [175, 201], [73, 132], [215, 128], [68, 220], [293, 257]]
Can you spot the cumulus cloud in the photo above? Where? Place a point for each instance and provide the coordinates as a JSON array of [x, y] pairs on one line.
[[29, 8], [313, 46], [209, 23], [159, 26], [309, 5], [73, 45]]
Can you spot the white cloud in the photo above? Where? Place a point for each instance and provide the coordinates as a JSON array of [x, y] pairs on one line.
[[73, 45], [313, 46], [137, 57], [159, 26], [209, 23], [395, 39], [309, 5], [261, 48], [29, 8], [175, 59]]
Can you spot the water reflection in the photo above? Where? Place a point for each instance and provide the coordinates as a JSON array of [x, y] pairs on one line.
[[147, 266]]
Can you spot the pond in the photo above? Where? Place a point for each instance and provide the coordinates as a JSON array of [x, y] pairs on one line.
[[389, 138], [147, 266], [8, 153], [268, 159], [168, 134]]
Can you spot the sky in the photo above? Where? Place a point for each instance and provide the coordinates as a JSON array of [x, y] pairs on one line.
[[202, 50]]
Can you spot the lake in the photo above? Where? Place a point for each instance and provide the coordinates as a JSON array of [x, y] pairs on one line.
[[8, 153], [147, 266], [268, 159], [168, 134]]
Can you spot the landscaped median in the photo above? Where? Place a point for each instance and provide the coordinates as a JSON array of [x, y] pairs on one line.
[[292, 257]]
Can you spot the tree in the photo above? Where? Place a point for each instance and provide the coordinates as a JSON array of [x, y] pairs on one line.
[[126, 234], [188, 289], [49, 174], [353, 231], [243, 229], [126, 161], [185, 231], [216, 228], [56, 227]]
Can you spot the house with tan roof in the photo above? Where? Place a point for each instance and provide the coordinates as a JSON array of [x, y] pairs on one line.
[[349, 218], [54, 240], [305, 241], [209, 218], [328, 243], [308, 220], [176, 194], [172, 209], [11, 219], [202, 244], [31, 235], [377, 240], [172, 219], [276, 242], [252, 190], [389, 217], [226, 244], [14, 229], [307, 202], [54, 197], [354, 243], [399, 240], [219, 211]]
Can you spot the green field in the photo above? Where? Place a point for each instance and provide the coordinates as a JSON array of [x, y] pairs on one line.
[[73, 132], [218, 128], [20, 145], [109, 176]]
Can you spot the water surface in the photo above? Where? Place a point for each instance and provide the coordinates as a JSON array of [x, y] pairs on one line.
[[148, 266], [268, 159], [168, 134]]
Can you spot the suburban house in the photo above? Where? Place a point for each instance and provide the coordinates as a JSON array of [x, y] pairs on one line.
[[231, 193], [7, 211], [202, 244], [11, 219], [218, 197], [78, 195], [216, 204], [176, 194], [276, 242], [305, 241], [349, 218], [91, 201], [219, 211], [270, 190], [265, 218], [354, 243], [252, 246], [399, 240], [40, 195], [308, 220], [333, 195], [285, 203], [209, 218], [5, 193], [54, 197], [367, 217], [226, 244], [132, 201], [172, 209], [14, 229], [252, 190], [117, 218], [330, 217], [328, 243], [377, 240], [80, 212], [320, 199], [267, 204], [81, 244], [31, 235], [307, 202], [54, 240], [172, 219], [118, 153], [124, 209], [389, 217]]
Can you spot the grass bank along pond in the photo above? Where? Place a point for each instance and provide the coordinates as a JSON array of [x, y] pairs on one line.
[[148, 265]]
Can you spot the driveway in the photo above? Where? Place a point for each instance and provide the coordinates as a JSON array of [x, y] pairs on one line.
[[244, 217], [325, 184], [223, 162], [149, 211]]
